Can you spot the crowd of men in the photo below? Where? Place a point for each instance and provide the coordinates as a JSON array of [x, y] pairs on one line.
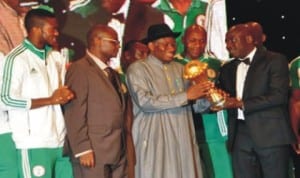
[[88, 120]]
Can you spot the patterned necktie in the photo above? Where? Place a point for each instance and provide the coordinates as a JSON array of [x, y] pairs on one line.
[[112, 77], [109, 72]]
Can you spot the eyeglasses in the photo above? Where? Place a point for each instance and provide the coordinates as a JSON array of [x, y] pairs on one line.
[[116, 42]]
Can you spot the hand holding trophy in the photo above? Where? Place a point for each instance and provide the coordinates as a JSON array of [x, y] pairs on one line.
[[198, 72]]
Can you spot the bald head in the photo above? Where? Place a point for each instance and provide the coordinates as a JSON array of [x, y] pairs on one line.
[[257, 32], [103, 42], [239, 41], [242, 28], [99, 31]]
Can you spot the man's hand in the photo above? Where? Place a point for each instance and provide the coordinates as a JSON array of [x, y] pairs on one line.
[[228, 104], [62, 95], [88, 160], [231, 102], [199, 90]]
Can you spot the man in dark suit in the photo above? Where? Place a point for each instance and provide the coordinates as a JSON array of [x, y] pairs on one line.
[[95, 118], [257, 80]]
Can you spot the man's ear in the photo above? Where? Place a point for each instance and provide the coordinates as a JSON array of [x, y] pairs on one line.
[[151, 46], [264, 38]]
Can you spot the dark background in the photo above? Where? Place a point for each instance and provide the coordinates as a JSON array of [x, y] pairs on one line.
[[279, 18]]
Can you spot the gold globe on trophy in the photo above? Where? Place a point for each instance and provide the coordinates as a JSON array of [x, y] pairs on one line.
[[198, 72]]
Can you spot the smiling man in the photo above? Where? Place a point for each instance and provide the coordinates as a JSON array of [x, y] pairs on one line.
[[33, 93], [95, 118], [163, 129], [259, 132]]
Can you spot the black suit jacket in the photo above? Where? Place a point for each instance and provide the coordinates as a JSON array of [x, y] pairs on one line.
[[265, 98]]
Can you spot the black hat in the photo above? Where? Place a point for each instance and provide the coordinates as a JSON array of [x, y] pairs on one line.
[[159, 31]]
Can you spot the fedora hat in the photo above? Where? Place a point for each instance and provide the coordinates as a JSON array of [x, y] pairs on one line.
[[159, 31]]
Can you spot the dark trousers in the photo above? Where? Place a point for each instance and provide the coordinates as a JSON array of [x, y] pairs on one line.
[[100, 170], [250, 161], [296, 162]]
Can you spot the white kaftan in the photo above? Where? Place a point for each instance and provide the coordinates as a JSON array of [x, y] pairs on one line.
[[163, 129]]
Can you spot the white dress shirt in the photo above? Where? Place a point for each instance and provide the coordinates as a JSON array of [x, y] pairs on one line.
[[241, 75]]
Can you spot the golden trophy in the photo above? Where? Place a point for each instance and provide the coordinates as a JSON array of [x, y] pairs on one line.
[[198, 72]]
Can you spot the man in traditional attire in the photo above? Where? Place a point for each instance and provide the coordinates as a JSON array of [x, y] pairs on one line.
[[163, 128]]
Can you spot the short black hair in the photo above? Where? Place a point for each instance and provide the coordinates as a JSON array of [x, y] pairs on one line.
[[36, 17]]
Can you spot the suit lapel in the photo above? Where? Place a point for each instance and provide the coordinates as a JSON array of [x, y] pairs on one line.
[[250, 77], [102, 75], [120, 91]]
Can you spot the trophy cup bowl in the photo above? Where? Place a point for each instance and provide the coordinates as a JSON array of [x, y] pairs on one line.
[[198, 72]]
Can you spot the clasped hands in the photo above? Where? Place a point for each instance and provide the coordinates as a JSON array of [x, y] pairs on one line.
[[62, 95]]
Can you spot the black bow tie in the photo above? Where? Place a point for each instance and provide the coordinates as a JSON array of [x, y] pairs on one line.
[[245, 61], [120, 17]]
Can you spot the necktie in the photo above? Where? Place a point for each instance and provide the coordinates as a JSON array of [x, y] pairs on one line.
[[109, 72], [111, 76], [246, 61]]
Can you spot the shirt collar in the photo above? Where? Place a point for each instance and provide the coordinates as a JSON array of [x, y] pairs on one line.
[[98, 61], [41, 53], [155, 60]]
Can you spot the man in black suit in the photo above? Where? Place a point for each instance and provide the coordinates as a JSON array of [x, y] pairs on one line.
[[257, 81]]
